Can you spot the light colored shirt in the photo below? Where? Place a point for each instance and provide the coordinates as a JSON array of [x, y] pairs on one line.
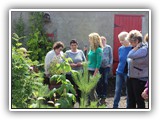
[[77, 56], [138, 61], [51, 55], [107, 58]]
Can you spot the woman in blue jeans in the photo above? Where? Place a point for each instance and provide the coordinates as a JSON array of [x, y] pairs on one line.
[[121, 71], [107, 60]]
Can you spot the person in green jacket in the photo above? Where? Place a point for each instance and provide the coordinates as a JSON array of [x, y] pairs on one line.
[[94, 59]]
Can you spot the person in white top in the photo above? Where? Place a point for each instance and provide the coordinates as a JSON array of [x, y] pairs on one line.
[[56, 53]]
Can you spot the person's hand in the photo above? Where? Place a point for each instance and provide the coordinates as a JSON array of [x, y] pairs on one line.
[[73, 65], [109, 65], [95, 72], [137, 46], [144, 95], [79, 64]]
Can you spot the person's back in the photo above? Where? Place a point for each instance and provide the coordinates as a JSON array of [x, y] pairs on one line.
[[107, 58], [95, 58]]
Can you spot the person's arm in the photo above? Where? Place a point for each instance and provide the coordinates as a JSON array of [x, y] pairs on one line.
[[99, 53], [147, 84], [71, 63], [48, 59], [66, 54], [83, 56], [79, 64], [144, 94], [110, 56], [137, 53], [96, 71]]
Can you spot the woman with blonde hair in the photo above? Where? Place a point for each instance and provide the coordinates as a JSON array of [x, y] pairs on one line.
[[94, 59], [146, 39], [122, 68]]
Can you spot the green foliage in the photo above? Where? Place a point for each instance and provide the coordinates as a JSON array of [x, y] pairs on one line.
[[85, 83], [94, 105], [26, 85], [38, 42], [21, 75], [60, 68], [65, 101], [18, 27], [66, 91]]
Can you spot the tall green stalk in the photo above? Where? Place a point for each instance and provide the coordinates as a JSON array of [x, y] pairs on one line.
[[85, 83]]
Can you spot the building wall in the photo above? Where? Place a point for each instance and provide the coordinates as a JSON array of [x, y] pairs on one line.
[[69, 25]]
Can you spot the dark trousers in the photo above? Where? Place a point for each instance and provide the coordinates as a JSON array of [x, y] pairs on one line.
[[103, 82], [78, 92], [135, 88]]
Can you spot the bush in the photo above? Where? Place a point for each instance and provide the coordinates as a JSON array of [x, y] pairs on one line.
[[26, 85]]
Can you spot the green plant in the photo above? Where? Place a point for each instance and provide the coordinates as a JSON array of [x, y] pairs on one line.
[[66, 91], [94, 105], [85, 83], [18, 28], [57, 68], [37, 41], [21, 83], [26, 85]]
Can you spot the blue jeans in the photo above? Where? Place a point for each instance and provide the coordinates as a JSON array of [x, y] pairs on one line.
[[120, 79], [103, 82]]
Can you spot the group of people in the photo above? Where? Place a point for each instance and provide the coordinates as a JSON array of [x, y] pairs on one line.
[[132, 68]]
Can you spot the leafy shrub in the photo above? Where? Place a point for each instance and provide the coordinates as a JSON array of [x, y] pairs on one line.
[[26, 85], [66, 91], [18, 28], [85, 83], [38, 42]]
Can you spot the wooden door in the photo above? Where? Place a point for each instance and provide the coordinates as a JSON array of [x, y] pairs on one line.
[[123, 23]]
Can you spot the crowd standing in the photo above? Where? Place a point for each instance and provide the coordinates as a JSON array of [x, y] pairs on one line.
[[132, 69]]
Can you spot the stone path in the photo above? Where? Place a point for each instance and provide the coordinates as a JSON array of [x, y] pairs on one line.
[[122, 103]]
